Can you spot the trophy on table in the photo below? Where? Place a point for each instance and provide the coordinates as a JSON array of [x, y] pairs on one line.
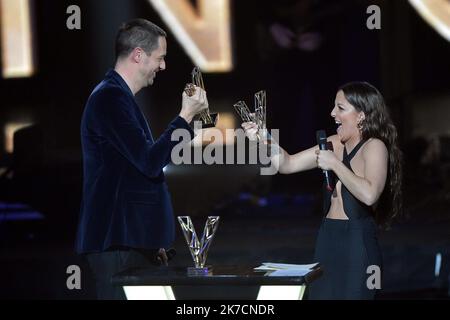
[[259, 116], [199, 247], [208, 119]]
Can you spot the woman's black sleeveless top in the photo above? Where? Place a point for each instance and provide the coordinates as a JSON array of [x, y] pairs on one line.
[[353, 208]]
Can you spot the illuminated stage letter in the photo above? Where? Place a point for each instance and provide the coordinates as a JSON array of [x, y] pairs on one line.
[[204, 32], [436, 13], [16, 39]]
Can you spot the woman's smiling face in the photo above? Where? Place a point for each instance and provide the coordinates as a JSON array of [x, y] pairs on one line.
[[346, 117]]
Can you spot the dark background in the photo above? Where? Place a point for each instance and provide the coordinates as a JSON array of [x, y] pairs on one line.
[[407, 60]]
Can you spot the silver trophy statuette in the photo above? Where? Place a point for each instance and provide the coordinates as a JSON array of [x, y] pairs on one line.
[[199, 248], [243, 111], [208, 119], [260, 109], [259, 116]]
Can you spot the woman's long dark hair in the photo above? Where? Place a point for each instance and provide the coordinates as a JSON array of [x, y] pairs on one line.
[[378, 124]]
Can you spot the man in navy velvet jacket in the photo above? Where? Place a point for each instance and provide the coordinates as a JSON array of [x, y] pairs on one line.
[[126, 217]]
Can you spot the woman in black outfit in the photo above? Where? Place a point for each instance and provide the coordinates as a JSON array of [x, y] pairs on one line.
[[366, 158]]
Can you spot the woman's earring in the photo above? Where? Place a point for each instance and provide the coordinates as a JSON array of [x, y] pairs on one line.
[[360, 125]]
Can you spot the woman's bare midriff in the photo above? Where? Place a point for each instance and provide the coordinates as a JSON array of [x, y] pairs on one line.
[[336, 208], [336, 216]]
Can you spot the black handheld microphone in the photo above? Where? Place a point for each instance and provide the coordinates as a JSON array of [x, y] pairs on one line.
[[325, 145]]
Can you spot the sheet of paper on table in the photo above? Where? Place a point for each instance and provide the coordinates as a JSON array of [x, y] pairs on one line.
[[286, 270]]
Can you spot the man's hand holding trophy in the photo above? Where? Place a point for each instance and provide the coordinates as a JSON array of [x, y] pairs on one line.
[[197, 87]]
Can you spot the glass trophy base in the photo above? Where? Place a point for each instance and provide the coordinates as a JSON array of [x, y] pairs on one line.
[[214, 117], [193, 271]]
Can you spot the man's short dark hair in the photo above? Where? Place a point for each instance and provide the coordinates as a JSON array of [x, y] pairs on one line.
[[138, 33]]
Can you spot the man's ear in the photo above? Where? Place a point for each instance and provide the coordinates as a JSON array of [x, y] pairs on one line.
[[136, 55]]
